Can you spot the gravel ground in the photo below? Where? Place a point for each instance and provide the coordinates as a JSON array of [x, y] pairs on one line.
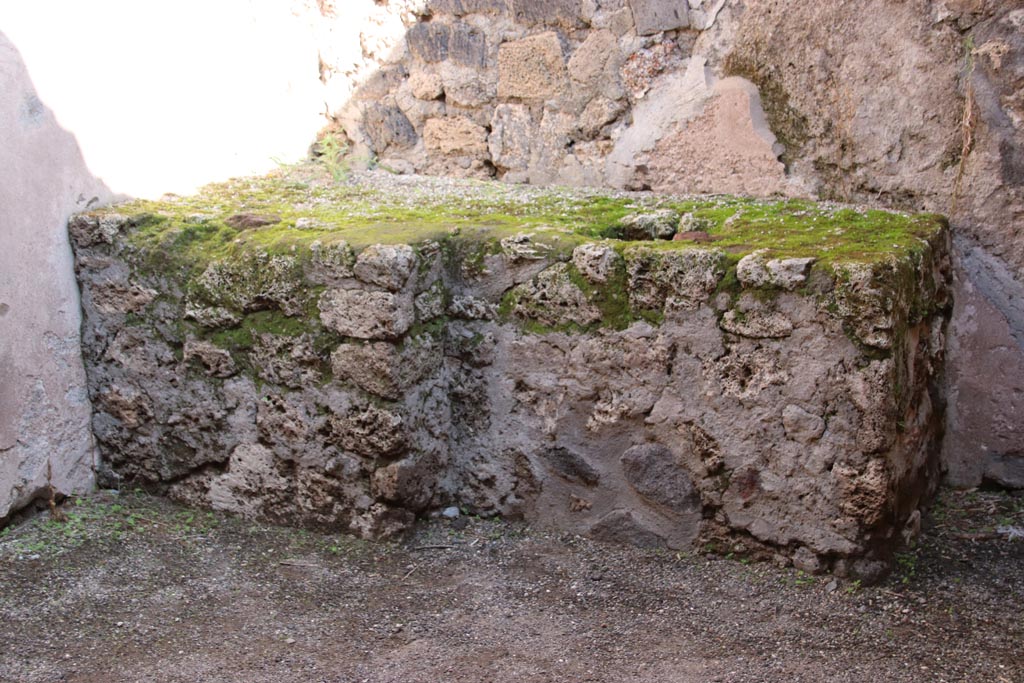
[[133, 588]]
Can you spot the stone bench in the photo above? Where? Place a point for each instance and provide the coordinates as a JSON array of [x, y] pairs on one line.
[[355, 354]]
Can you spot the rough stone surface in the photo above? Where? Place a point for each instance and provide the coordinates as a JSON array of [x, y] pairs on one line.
[[801, 425], [384, 369], [596, 262], [553, 299], [531, 12], [366, 314], [388, 266], [653, 16], [652, 470], [635, 394], [510, 139], [532, 68], [754, 270], [727, 149], [683, 278], [656, 225]]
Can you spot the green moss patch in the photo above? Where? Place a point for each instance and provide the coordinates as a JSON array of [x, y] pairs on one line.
[[365, 209]]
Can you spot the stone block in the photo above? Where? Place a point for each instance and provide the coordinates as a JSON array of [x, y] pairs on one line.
[[654, 16], [455, 136], [428, 41], [388, 129], [654, 472], [567, 13], [622, 527], [467, 46], [596, 262], [366, 315], [532, 68], [385, 369], [369, 431], [509, 141], [461, 8], [386, 265]]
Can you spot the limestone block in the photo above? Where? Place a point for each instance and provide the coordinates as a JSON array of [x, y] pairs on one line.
[[455, 136], [330, 262], [215, 361], [622, 527], [385, 369], [552, 299], [366, 315], [369, 431], [652, 225], [654, 16], [802, 425], [285, 360], [755, 270], [570, 466], [463, 7], [686, 277], [471, 308], [407, 482], [426, 85], [386, 265], [121, 296], [468, 87], [388, 129], [598, 113], [532, 68], [252, 283], [594, 68], [250, 477], [509, 140], [757, 324], [596, 262], [431, 303]]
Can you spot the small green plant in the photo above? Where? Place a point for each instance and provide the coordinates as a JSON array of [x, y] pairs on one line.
[[853, 587], [333, 155], [906, 565], [803, 579]]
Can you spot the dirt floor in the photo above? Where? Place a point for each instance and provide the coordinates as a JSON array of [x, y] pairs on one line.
[[133, 588]]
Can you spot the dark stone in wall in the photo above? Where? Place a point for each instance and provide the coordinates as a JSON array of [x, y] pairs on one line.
[[467, 46], [651, 469], [1006, 469], [388, 127], [571, 466], [429, 41], [620, 526]]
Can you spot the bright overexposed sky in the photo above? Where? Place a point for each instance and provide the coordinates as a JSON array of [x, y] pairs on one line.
[[166, 96]]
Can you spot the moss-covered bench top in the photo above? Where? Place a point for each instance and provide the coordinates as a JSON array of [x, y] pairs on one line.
[[295, 207]]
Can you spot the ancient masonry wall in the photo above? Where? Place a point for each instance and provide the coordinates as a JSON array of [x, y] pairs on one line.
[[913, 106], [658, 394]]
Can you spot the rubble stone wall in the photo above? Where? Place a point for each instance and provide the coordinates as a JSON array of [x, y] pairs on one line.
[[914, 106], [662, 393]]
